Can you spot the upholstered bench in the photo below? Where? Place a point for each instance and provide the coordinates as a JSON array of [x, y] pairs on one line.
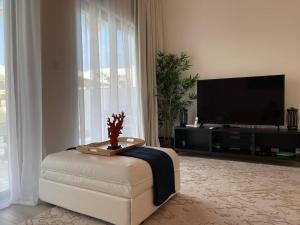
[[115, 189]]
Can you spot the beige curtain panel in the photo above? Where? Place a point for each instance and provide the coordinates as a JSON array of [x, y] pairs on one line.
[[150, 36]]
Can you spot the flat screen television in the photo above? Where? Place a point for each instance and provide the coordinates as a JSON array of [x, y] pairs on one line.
[[246, 101]]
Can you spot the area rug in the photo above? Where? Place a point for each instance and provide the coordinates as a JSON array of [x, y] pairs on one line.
[[216, 192]]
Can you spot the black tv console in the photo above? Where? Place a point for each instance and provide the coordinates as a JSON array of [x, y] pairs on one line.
[[269, 145]]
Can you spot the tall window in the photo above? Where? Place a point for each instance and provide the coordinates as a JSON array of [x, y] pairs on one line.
[[108, 82], [4, 184]]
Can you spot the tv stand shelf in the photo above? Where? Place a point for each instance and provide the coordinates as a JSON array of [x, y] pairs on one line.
[[248, 143]]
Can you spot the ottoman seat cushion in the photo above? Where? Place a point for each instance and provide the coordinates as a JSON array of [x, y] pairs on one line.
[[117, 175]]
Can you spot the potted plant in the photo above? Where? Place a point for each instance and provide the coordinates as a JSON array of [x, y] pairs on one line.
[[174, 91]]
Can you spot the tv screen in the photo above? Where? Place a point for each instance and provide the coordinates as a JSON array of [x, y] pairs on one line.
[[247, 100]]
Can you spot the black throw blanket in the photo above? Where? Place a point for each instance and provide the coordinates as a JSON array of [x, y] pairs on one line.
[[162, 171]]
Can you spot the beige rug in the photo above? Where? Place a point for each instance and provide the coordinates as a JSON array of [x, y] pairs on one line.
[[216, 192]]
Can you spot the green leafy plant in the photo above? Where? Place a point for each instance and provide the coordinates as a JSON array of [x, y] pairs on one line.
[[174, 92]]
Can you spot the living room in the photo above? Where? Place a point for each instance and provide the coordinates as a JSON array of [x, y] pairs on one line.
[[68, 71]]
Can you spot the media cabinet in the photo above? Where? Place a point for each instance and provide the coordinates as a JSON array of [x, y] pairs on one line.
[[247, 143]]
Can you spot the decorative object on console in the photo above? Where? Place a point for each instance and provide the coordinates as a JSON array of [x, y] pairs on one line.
[[292, 118], [183, 117], [173, 91], [195, 125], [114, 130], [285, 154]]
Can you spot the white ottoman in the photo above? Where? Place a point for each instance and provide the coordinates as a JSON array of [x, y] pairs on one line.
[[115, 189]]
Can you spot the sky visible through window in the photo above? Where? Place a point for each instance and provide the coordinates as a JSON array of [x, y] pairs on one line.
[[104, 53]]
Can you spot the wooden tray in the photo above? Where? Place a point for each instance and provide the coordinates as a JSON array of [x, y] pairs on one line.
[[100, 148]]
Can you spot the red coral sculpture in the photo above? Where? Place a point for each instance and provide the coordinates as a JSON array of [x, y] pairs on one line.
[[114, 128]]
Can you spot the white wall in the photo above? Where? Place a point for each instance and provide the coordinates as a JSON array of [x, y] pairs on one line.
[[59, 74], [228, 38]]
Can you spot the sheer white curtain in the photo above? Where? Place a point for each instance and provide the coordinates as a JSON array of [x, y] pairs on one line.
[[107, 68], [24, 99], [4, 179]]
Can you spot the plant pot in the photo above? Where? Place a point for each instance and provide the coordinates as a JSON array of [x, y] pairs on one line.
[[166, 142]]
